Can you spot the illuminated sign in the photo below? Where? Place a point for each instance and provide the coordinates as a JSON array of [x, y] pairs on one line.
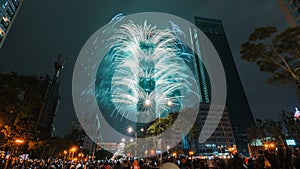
[[290, 142]]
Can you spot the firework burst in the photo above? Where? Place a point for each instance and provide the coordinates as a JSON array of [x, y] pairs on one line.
[[149, 72]]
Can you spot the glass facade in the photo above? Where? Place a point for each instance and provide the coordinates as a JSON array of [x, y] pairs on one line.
[[236, 101], [291, 11], [200, 70], [8, 10]]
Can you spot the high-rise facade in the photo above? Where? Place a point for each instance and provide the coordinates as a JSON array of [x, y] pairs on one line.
[[291, 11], [51, 99], [236, 101], [8, 11], [221, 139]]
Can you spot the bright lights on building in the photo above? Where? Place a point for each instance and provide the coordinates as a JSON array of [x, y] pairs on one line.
[[147, 102], [169, 103]]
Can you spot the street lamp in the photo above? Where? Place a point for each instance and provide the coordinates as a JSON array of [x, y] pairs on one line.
[[123, 140], [269, 145], [73, 149], [65, 153], [19, 141], [130, 130], [80, 156], [191, 153]]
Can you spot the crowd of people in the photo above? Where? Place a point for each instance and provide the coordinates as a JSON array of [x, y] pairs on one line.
[[265, 160]]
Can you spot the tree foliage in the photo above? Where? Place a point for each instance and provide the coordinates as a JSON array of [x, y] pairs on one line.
[[285, 127], [189, 130], [162, 124], [19, 102], [277, 53]]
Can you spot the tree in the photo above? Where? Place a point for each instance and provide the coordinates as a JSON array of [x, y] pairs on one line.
[[279, 129], [131, 148], [162, 124], [21, 97], [255, 132], [291, 125], [189, 130], [275, 129], [277, 53]]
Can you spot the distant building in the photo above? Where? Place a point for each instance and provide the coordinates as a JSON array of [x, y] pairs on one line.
[[87, 144], [51, 98], [236, 102], [47, 113], [8, 12], [221, 139], [291, 11], [73, 126]]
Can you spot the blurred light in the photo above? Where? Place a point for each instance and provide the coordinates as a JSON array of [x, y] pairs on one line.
[[290, 142], [19, 141], [130, 129], [147, 102], [169, 103], [73, 149]]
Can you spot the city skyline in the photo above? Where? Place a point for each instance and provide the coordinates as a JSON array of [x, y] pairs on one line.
[[35, 40]]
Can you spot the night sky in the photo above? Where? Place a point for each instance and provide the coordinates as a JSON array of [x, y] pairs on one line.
[[42, 29]]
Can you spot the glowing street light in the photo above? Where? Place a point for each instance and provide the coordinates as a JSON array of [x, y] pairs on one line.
[[73, 149], [65, 153], [269, 146], [19, 141], [130, 129], [123, 140], [80, 155]]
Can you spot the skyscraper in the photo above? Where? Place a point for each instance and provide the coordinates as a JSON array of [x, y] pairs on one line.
[[291, 11], [50, 101], [236, 101], [8, 11]]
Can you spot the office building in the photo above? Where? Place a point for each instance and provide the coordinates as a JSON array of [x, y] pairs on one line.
[[221, 139], [236, 101], [9, 10], [291, 11], [51, 99]]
